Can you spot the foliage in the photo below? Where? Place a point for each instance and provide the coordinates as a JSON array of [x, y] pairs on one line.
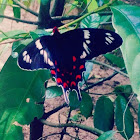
[[22, 92]]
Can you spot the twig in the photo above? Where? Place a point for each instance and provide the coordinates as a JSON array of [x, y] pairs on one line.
[[19, 20], [25, 8], [100, 81], [95, 11], [61, 18], [100, 63], [86, 7], [45, 137], [12, 41], [64, 129], [46, 115], [74, 125]]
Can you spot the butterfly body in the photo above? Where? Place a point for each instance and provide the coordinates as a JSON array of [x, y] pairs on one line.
[[65, 54]]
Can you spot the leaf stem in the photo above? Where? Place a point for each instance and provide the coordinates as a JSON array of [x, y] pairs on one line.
[[74, 125], [26, 9], [19, 20], [82, 17], [100, 63]]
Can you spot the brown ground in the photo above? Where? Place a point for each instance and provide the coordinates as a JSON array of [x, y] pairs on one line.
[[50, 104]]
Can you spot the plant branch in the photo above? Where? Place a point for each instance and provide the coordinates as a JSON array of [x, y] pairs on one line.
[[64, 129], [46, 115], [95, 11], [106, 65], [61, 18], [19, 20], [74, 125], [25, 8], [57, 8], [100, 81]]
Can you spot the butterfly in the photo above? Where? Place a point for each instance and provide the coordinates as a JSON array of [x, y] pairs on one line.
[[65, 54]]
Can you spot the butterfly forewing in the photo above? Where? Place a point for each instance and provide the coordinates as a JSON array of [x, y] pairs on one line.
[[37, 54], [65, 54], [91, 42]]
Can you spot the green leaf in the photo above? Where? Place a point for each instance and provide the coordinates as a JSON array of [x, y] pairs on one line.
[[91, 21], [86, 105], [118, 61], [139, 115], [107, 135], [2, 8], [93, 5], [126, 22], [20, 91], [34, 35], [104, 114], [102, 2], [74, 102], [123, 118], [53, 91], [89, 68], [16, 10], [20, 44], [125, 90], [77, 118]]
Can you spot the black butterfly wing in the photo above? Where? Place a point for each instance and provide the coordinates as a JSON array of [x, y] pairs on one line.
[[37, 54], [90, 43]]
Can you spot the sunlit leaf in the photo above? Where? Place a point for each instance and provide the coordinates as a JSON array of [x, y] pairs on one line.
[[123, 118]]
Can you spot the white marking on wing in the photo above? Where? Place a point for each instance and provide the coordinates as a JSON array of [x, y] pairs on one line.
[[106, 43], [38, 44], [83, 55], [41, 52], [24, 58], [24, 53], [86, 47], [111, 38], [86, 34], [108, 40], [108, 34], [87, 41], [45, 55], [50, 62], [27, 58]]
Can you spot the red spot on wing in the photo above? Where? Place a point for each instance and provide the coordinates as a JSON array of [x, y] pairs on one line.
[[74, 67], [78, 77], [81, 67], [65, 85], [55, 62], [72, 84], [59, 80], [74, 58], [53, 72], [70, 73], [58, 70], [68, 82], [62, 74]]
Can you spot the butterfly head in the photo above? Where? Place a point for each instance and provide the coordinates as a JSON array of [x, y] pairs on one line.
[[55, 30]]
